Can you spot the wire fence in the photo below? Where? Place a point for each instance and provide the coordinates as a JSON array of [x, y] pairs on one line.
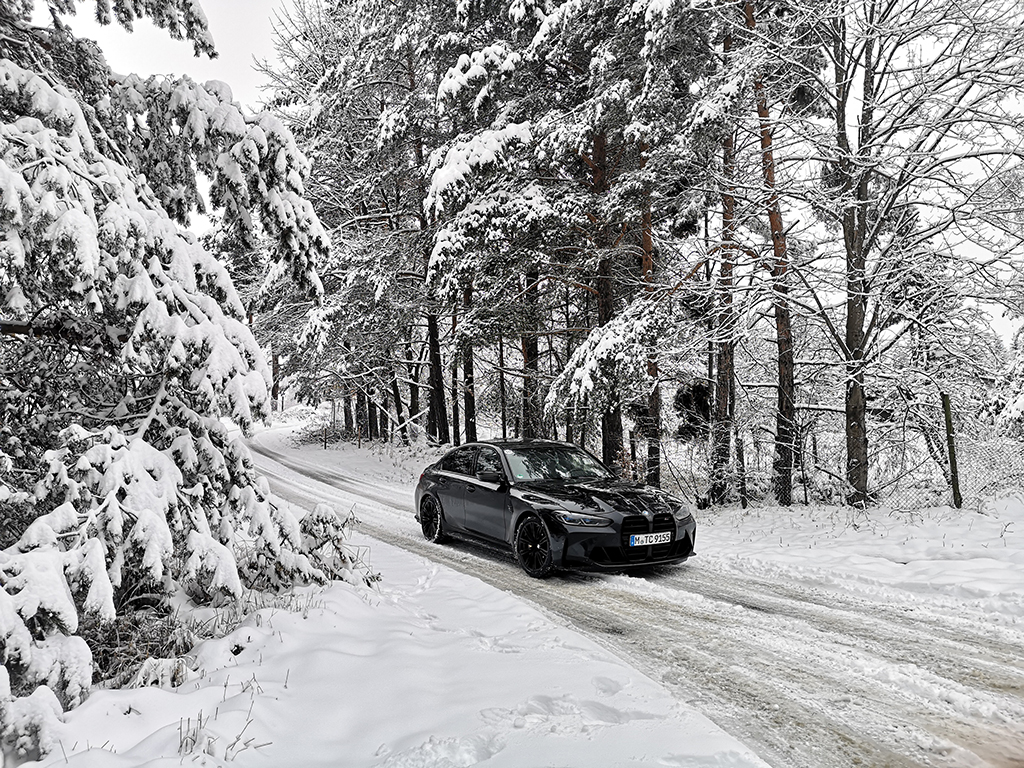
[[909, 465]]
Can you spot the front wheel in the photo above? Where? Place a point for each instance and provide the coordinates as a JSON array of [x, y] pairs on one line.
[[432, 520], [533, 548]]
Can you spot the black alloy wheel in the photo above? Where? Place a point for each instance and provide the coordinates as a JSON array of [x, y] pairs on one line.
[[533, 548], [432, 521]]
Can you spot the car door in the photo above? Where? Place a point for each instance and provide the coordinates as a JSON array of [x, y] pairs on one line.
[[485, 502], [453, 476]]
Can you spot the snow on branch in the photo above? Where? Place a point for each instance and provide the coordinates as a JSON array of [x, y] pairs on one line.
[[183, 19], [489, 65], [491, 220], [256, 170], [451, 167], [612, 357]]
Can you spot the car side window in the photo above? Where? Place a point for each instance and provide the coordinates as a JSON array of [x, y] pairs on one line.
[[460, 461], [488, 460]]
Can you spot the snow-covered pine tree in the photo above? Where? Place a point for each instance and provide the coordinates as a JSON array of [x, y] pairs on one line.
[[356, 82], [125, 352], [571, 112]]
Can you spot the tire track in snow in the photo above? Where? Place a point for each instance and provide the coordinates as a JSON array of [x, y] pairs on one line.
[[808, 676]]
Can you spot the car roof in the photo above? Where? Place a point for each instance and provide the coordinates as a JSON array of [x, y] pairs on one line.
[[525, 443], [516, 443]]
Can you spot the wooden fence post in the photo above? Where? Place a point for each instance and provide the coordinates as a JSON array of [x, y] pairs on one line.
[[954, 475]]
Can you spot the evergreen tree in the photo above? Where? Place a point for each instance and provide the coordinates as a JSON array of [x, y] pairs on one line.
[[124, 348]]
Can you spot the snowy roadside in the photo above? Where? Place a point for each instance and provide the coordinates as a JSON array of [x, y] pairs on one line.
[[871, 637], [973, 557], [430, 668], [436, 668], [938, 552]]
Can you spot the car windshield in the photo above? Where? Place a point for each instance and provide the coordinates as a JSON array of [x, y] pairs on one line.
[[554, 462]]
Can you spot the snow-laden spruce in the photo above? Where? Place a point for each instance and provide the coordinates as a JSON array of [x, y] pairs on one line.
[[125, 355]]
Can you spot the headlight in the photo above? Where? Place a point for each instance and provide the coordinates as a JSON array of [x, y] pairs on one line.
[[590, 521], [682, 513]]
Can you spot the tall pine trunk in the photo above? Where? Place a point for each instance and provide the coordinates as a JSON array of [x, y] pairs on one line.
[[652, 426], [502, 392], [468, 378], [855, 223], [346, 402], [275, 388], [456, 437], [437, 415], [532, 423], [396, 395], [361, 429], [413, 368], [372, 430], [721, 427], [785, 414], [611, 418]]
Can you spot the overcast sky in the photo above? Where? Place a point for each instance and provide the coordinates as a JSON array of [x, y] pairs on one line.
[[240, 28]]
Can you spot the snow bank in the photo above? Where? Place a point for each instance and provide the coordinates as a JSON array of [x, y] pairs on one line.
[[434, 668], [940, 551]]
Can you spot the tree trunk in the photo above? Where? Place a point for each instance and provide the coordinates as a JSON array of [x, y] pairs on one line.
[[501, 387], [275, 388], [611, 419], [532, 426], [437, 415], [396, 395], [346, 402], [652, 425], [856, 398], [455, 398], [372, 428], [468, 379], [785, 414], [722, 426], [414, 385], [570, 413], [361, 414], [855, 224]]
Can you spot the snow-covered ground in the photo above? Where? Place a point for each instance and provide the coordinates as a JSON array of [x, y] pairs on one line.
[[817, 637], [429, 668], [432, 669]]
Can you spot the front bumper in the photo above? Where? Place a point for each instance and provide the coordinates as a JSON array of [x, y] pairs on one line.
[[608, 549]]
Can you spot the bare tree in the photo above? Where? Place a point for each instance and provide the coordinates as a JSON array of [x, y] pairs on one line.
[[919, 105]]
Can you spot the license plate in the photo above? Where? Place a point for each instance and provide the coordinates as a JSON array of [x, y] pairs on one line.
[[647, 539]]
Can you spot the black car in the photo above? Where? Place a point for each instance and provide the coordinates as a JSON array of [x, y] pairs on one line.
[[554, 504]]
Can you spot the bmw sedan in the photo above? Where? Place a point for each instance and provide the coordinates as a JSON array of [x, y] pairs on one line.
[[554, 505]]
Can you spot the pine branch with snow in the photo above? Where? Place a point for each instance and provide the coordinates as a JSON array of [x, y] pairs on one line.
[[121, 484]]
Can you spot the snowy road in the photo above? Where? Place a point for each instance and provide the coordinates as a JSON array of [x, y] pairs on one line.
[[808, 671]]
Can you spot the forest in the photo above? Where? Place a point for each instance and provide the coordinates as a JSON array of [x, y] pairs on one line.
[[746, 244], [744, 250]]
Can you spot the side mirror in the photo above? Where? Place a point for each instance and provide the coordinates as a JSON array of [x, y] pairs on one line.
[[489, 477]]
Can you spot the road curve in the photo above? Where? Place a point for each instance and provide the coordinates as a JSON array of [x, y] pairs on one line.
[[809, 675]]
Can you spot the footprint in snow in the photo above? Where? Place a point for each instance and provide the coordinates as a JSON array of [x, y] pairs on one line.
[[607, 686]]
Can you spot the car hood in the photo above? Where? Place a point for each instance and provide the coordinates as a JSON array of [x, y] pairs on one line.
[[603, 496]]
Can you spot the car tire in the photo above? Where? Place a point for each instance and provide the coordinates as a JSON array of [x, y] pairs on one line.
[[533, 548], [432, 520]]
